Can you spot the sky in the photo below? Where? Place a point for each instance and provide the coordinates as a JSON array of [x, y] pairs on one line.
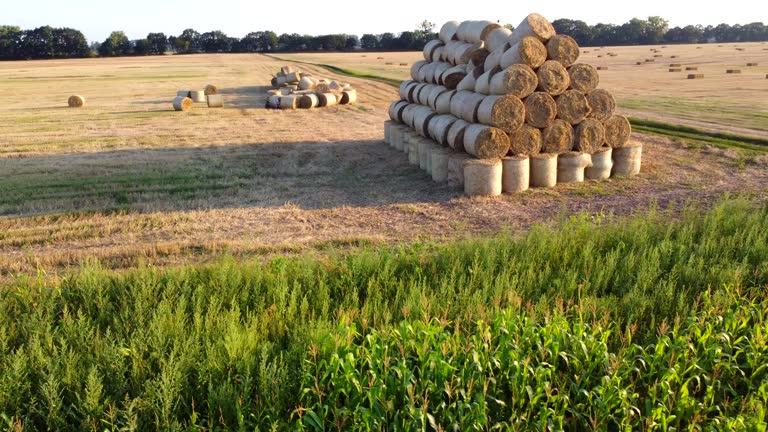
[[97, 18]]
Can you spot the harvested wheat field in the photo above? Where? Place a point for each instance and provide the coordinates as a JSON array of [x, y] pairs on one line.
[[126, 179]]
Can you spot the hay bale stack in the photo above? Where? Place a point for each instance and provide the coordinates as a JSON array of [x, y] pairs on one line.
[[211, 89], [273, 101], [557, 138], [602, 104], [483, 82], [525, 141], [517, 80], [589, 136], [464, 105], [326, 99], [617, 131], [455, 137], [470, 79], [533, 25], [563, 49], [494, 58], [307, 83], [601, 164], [348, 97], [421, 118], [435, 93], [543, 170], [477, 31], [288, 102], [529, 51], [395, 110], [572, 106], [553, 78], [571, 165], [416, 69], [515, 174], [76, 101], [429, 49], [627, 160], [482, 177], [215, 101], [485, 142], [540, 110], [388, 126], [504, 112], [453, 76], [182, 103], [197, 96]]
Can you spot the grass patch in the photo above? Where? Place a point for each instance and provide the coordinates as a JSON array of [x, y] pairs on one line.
[[718, 139]]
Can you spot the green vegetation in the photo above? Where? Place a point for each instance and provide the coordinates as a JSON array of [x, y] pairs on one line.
[[711, 110], [718, 139], [598, 322]]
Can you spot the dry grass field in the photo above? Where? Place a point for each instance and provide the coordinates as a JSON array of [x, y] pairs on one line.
[[128, 180]]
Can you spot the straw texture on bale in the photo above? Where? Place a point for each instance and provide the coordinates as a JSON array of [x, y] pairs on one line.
[[540, 109], [308, 101], [182, 93], [572, 106], [464, 104], [695, 76], [348, 97], [589, 136], [414, 94], [478, 56], [478, 31], [485, 142], [482, 177], [515, 174], [543, 170], [504, 112], [408, 114], [448, 31], [601, 164], [525, 141], [602, 104], [553, 78], [443, 102], [456, 169], [430, 48], [288, 102], [439, 164], [564, 49], [533, 25], [211, 89], [439, 127], [617, 131], [182, 103], [76, 101], [627, 160], [421, 118], [285, 70], [326, 99], [215, 101], [557, 138], [571, 165], [455, 135], [197, 95], [516, 80], [497, 38], [583, 77], [529, 51], [438, 71], [416, 68], [453, 76]]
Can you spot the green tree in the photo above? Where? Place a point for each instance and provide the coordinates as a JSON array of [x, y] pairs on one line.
[[655, 29], [188, 42], [578, 30], [117, 44], [10, 41], [215, 42], [158, 43], [369, 42], [352, 41]]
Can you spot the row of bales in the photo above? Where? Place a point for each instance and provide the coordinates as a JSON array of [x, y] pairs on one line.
[[186, 99], [498, 110], [293, 89]]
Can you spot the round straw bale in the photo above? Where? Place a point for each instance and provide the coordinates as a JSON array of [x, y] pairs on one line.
[[211, 89], [494, 58], [516, 80], [438, 71], [274, 82], [525, 141], [285, 70], [557, 138], [455, 137], [572, 106], [413, 92], [478, 57], [430, 48], [617, 131], [395, 110], [497, 38], [326, 99], [408, 113], [76, 101], [533, 25], [479, 31], [437, 54], [601, 164], [543, 170], [426, 70], [485, 142], [515, 174], [288, 102], [571, 165], [453, 76], [273, 101], [456, 169], [540, 109], [602, 104], [470, 80], [529, 51], [482, 177], [405, 88], [307, 83], [416, 68], [504, 112], [424, 147], [464, 52], [443, 102], [434, 93], [589, 136], [412, 140], [273, 92], [215, 101], [323, 87], [285, 91], [464, 105], [439, 127], [553, 78], [450, 49], [280, 81], [422, 95], [627, 160], [439, 164], [197, 95], [583, 77], [448, 31], [461, 32], [483, 82], [308, 101], [183, 103], [564, 49], [293, 77], [421, 118]]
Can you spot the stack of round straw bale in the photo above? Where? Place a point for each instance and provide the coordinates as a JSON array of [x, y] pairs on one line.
[[296, 89], [485, 92]]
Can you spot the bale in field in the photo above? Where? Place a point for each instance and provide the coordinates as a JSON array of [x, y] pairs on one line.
[[307, 83], [483, 82], [416, 68], [589, 136], [602, 104], [675, 69], [543, 170], [421, 118], [453, 76], [602, 68], [439, 164], [288, 102], [465, 104], [571, 165], [516, 80], [429, 49], [285, 70], [273, 101], [211, 89], [308, 101], [497, 38], [553, 78], [395, 110], [433, 94], [485, 142], [504, 112], [76, 101], [572, 106], [494, 58], [525, 141], [691, 68], [348, 97], [617, 131], [533, 25], [326, 99], [448, 31], [695, 76], [540, 109], [529, 51], [601, 164], [215, 101], [557, 138], [443, 102], [469, 82], [455, 137], [583, 77], [182, 103], [197, 95], [478, 31], [456, 169], [564, 49], [627, 160], [733, 71], [515, 174], [482, 177]]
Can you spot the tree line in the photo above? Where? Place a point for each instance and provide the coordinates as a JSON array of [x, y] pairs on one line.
[[49, 43]]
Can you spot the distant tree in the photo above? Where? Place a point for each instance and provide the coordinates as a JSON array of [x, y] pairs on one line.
[[141, 47], [388, 41], [158, 43], [578, 30], [687, 34], [188, 42], [655, 28], [117, 44], [37, 43], [408, 41], [352, 42], [267, 41], [215, 42], [292, 42], [753, 32], [10, 41], [369, 42]]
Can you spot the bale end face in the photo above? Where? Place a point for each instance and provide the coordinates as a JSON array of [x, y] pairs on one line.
[[76, 101], [215, 101], [211, 89], [183, 104]]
